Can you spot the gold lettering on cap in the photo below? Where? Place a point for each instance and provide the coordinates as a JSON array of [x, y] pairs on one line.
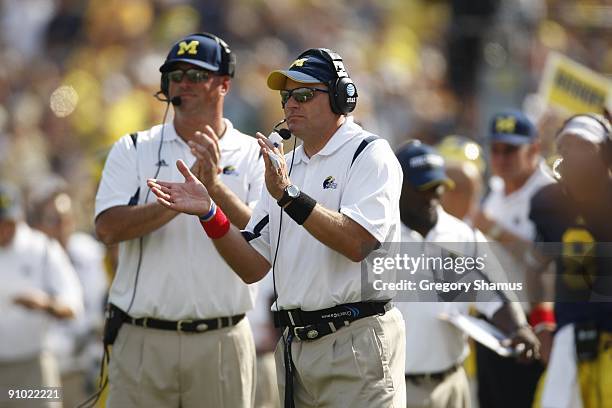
[[298, 62], [191, 48], [505, 125]]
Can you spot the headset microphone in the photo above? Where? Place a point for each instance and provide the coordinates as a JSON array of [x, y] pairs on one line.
[[175, 100], [284, 133]]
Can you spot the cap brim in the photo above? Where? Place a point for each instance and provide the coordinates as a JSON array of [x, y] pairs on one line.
[[515, 140], [277, 79], [426, 180], [169, 64]]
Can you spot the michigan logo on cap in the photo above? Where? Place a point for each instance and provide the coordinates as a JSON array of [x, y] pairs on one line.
[[191, 48], [298, 62], [505, 124]]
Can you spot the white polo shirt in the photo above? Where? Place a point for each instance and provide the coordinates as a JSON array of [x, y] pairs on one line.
[[512, 211], [309, 275], [180, 274], [434, 345], [32, 262]]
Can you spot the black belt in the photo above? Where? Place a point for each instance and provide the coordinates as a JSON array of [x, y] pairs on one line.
[[437, 376], [311, 325], [185, 325]]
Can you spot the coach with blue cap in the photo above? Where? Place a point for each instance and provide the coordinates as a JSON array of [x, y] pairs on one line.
[[518, 173], [437, 379], [326, 206], [176, 310]]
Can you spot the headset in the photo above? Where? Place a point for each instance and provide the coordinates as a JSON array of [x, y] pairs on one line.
[[228, 60], [342, 89], [604, 122]]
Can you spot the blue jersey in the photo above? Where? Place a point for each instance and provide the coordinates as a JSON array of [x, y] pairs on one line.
[[580, 239]]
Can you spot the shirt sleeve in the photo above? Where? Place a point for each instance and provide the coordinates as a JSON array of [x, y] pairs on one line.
[[257, 231], [63, 281], [371, 196], [120, 181]]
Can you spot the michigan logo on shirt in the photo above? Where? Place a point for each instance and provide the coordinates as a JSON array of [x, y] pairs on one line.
[[329, 182], [230, 170]]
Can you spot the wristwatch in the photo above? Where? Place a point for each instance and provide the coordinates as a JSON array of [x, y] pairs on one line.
[[291, 192]]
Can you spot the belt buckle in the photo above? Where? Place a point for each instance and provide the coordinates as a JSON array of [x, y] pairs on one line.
[[310, 334], [295, 331], [179, 324]]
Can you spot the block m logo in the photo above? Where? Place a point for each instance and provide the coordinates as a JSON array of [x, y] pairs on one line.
[[299, 62], [505, 125], [191, 48]]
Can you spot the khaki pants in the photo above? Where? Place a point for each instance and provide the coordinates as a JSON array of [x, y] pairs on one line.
[[361, 365], [29, 374], [166, 369], [266, 395], [453, 392]]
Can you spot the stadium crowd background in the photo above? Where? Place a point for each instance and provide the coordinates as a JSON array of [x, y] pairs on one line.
[[424, 69], [77, 75]]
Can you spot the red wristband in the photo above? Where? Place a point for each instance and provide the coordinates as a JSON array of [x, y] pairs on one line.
[[541, 315], [217, 226]]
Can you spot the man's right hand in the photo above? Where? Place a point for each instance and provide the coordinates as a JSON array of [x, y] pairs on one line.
[[190, 197]]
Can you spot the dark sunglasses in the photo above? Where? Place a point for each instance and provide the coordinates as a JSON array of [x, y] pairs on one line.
[[193, 75], [300, 95], [504, 149]]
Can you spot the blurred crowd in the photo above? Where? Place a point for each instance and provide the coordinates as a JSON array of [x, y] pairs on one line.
[[77, 75], [83, 72]]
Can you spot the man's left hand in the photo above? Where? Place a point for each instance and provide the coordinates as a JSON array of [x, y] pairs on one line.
[[276, 178], [525, 340], [205, 147]]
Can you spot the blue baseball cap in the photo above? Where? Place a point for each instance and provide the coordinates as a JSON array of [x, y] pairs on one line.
[[422, 166], [512, 127], [311, 67], [10, 202], [196, 49]]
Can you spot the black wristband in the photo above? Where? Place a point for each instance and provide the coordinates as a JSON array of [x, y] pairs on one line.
[[300, 208]]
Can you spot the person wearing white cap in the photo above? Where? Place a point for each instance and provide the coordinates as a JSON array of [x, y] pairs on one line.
[[38, 284], [574, 230], [326, 206]]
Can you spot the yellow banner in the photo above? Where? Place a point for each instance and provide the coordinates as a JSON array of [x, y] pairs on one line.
[[573, 87]]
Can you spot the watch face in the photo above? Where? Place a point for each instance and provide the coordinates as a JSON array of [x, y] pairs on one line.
[[293, 191]]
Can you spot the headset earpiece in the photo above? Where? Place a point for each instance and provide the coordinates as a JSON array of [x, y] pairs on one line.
[[342, 89], [164, 85]]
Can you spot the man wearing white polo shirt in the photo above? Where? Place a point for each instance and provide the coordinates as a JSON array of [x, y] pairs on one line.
[[38, 283], [184, 341], [325, 208], [519, 172], [435, 349]]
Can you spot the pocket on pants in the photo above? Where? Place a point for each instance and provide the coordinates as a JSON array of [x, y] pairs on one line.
[[368, 354]]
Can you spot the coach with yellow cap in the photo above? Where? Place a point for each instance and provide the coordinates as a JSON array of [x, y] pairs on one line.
[[326, 206]]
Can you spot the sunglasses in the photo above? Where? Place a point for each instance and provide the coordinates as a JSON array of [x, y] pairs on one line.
[[193, 75], [300, 95], [504, 149]]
